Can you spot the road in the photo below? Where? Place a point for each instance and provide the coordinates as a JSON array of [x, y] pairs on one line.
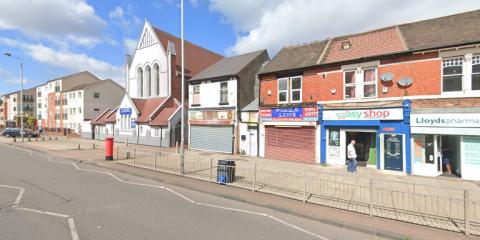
[[49, 198]]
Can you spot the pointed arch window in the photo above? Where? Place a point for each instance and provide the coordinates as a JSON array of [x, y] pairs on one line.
[[140, 82], [156, 77], [148, 79]]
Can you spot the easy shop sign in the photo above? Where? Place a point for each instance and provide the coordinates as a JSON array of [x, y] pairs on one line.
[[364, 114], [289, 114]]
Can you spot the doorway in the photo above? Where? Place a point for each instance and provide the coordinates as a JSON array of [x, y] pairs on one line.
[[450, 150], [365, 146]]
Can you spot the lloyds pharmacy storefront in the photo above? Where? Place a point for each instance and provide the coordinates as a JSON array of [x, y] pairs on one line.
[[449, 132], [381, 131]]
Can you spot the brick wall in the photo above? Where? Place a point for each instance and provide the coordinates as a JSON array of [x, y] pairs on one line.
[[317, 85]]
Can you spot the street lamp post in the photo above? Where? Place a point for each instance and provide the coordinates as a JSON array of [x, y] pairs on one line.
[[21, 92], [182, 127]]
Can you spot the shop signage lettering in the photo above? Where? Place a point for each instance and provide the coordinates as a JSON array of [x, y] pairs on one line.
[[364, 114], [133, 123], [125, 111], [445, 120], [289, 114]]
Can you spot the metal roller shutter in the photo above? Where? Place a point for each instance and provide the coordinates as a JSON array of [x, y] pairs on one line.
[[212, 138], [290, 143]]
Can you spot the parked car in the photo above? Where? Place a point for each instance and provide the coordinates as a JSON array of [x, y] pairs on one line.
[[15, 132]]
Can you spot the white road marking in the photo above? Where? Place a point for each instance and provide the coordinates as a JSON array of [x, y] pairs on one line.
[[42, 212], [75, 235]]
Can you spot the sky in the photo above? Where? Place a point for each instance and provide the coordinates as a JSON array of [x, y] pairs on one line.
[[55, 38]]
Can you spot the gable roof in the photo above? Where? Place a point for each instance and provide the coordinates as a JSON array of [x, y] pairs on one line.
[[196, 58], [162, 118], [72, 75], [447, 31], [89, 85], [230, 66], [296, 56], [251, 107], [146, 107]]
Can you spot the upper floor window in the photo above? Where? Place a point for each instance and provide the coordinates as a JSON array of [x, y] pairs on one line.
[[290, 89], [224, 93], [360, 83], [196, 95], [79, 94], [39, 94], [96, 95], [57, 87], [476, 72], [452, 74]]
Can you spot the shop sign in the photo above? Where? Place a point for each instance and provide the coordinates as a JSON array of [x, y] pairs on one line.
[[133, 123], [445, 120], [212, 115], [364, 114], [289, 114], [125, 111]]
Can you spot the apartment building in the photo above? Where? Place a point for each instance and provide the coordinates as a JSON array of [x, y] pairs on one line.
[[51, 98], [11, 108], [408, 94]]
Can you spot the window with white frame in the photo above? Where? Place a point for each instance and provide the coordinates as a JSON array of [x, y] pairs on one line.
[[224, 92], [476, 72], [360, 83], [196, 95], [350, 84], [156, 132], [283, 90], [452, 72], [369, 83], [290, 89]]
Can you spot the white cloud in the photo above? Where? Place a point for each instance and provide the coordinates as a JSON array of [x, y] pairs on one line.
[[67, 60], [10, 78], [275, 23], [125, 18], [130, 44], [55, 20]]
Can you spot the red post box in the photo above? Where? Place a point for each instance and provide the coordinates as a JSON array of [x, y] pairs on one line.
[[109, 148]]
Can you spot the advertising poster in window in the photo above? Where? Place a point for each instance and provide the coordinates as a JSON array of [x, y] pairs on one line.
[[419, 149], [334, 143], [471, 145]]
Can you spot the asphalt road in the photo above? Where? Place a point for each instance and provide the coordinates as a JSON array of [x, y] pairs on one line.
[[45, 198]]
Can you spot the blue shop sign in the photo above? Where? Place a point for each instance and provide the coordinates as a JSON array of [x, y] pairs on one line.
[[295, 112], [133, 124], [125, 111]]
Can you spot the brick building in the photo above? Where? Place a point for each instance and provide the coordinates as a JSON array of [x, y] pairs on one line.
[[407, 93]]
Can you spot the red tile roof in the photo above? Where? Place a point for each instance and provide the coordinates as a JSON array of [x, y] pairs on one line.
[[196, 57], [162, 118], [112, 116], [378, 42], [100, 119], [146, 107]]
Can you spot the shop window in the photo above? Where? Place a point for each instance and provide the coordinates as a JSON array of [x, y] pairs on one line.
[[290, 89], [369, 83], [350, 84], [224, 93], [282, 90], [452, 74], [196, 95], [476, 72]]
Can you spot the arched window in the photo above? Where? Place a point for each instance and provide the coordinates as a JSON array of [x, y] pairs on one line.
[[148, 78], [140, 82], [156, 77]]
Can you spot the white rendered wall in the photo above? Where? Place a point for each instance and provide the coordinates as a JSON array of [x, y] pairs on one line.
[[210, 94]]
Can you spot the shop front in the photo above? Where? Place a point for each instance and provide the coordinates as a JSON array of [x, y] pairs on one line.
[[289, 133], [446, 142], [381, 136], [212, 130]]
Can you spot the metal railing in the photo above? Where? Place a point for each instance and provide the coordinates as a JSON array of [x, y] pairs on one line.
[[429, 205]]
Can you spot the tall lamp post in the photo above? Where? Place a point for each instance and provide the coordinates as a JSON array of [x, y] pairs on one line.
[[182, 127], [21, 91]]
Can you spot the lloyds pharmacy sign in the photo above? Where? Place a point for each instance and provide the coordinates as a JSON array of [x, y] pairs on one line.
[[445, 120]]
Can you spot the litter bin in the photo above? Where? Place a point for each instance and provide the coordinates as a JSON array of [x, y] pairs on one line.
[[225, 171], [109, 148]]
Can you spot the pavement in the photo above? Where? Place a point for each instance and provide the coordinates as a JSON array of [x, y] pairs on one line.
[[68, 148]]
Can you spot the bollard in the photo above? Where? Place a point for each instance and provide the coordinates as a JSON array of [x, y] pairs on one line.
[[126, 142], [29, 139], [49, 138], [304, 187], [134, 156], [93, 145], [176, 147], [14, 139], [117, 153], [43, 138], [155, 162], [78, 146]]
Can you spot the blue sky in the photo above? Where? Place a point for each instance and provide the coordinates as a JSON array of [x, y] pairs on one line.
[[60, 37]]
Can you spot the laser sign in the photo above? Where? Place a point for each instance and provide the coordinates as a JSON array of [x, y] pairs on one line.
[[364, 114]]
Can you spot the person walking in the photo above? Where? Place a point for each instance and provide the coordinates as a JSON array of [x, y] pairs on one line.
[[351, 157]]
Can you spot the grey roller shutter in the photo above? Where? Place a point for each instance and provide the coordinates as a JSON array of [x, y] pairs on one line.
[[212, 138]]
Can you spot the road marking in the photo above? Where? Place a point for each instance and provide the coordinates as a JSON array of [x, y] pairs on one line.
[[42, 212], [74, 231]]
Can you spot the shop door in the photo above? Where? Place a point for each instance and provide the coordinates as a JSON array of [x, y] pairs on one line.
[[212, 138], [290, 143], [393, 146], [252, 141]]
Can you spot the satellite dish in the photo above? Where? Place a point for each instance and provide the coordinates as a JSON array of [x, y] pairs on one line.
[[405, 82], [387, 77]]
